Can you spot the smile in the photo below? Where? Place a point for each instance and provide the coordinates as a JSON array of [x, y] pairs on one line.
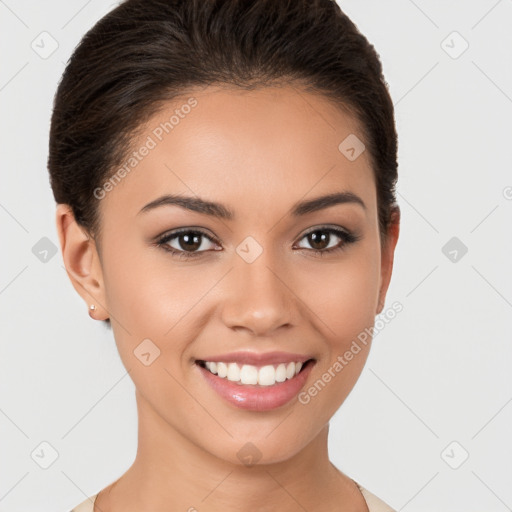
[[266, 375], [256, 388]]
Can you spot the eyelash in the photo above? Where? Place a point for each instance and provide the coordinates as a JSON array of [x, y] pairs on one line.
[[347, 237]]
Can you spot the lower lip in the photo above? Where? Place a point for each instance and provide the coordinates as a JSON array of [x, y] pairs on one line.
[[255, 397]]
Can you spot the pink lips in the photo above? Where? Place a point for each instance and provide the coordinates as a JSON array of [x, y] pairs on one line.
[[252, 396]]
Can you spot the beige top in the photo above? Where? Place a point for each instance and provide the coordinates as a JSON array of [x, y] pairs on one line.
[[374, 504]]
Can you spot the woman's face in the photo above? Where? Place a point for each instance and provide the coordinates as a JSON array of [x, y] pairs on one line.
[[252, 281]]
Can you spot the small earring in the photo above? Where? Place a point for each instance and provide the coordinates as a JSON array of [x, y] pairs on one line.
[[92, 307]]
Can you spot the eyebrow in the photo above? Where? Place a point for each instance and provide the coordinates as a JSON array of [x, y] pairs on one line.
[[220, 211]]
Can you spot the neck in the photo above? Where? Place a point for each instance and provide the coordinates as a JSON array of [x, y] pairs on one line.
[[170, 472]]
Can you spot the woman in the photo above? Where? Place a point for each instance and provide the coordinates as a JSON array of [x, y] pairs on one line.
[[224, 174]]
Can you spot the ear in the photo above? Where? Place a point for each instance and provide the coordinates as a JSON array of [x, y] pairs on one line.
[[388, 253], [82, 261]]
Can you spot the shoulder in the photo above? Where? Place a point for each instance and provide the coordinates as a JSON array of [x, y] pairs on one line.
[[85, 506], [374, 504]]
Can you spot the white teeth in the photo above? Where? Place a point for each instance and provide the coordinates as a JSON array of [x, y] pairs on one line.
[[222, 369], [290, 370], [281, 373], [248, 374], [233, 372], [267, 375]]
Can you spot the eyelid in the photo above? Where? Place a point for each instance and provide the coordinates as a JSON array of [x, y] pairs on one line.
[[174, 232], [326, 227]]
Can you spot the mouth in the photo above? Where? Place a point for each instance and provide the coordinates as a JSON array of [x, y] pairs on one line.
[[256, 376], [256, 387]]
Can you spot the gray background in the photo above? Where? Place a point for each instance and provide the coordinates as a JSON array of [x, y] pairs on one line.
[[437, 385]]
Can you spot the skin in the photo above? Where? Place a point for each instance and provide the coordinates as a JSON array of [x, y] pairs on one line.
[[257, 152]]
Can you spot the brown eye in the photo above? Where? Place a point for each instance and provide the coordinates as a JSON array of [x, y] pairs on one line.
[[189, 241], [186, 243], [319, 239], [323, 240]]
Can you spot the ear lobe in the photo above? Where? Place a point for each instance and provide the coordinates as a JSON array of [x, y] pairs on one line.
[[81, 260]]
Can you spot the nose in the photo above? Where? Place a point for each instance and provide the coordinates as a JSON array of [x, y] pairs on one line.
[[257, 297]]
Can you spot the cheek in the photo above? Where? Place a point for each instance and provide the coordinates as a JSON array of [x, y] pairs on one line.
[[147, 292], [344, 295], [344, 302], [151, 297]]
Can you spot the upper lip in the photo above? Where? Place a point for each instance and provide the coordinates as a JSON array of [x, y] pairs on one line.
[[258, 359]]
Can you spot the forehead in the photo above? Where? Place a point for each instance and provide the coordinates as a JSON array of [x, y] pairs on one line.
[[245, 147]]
